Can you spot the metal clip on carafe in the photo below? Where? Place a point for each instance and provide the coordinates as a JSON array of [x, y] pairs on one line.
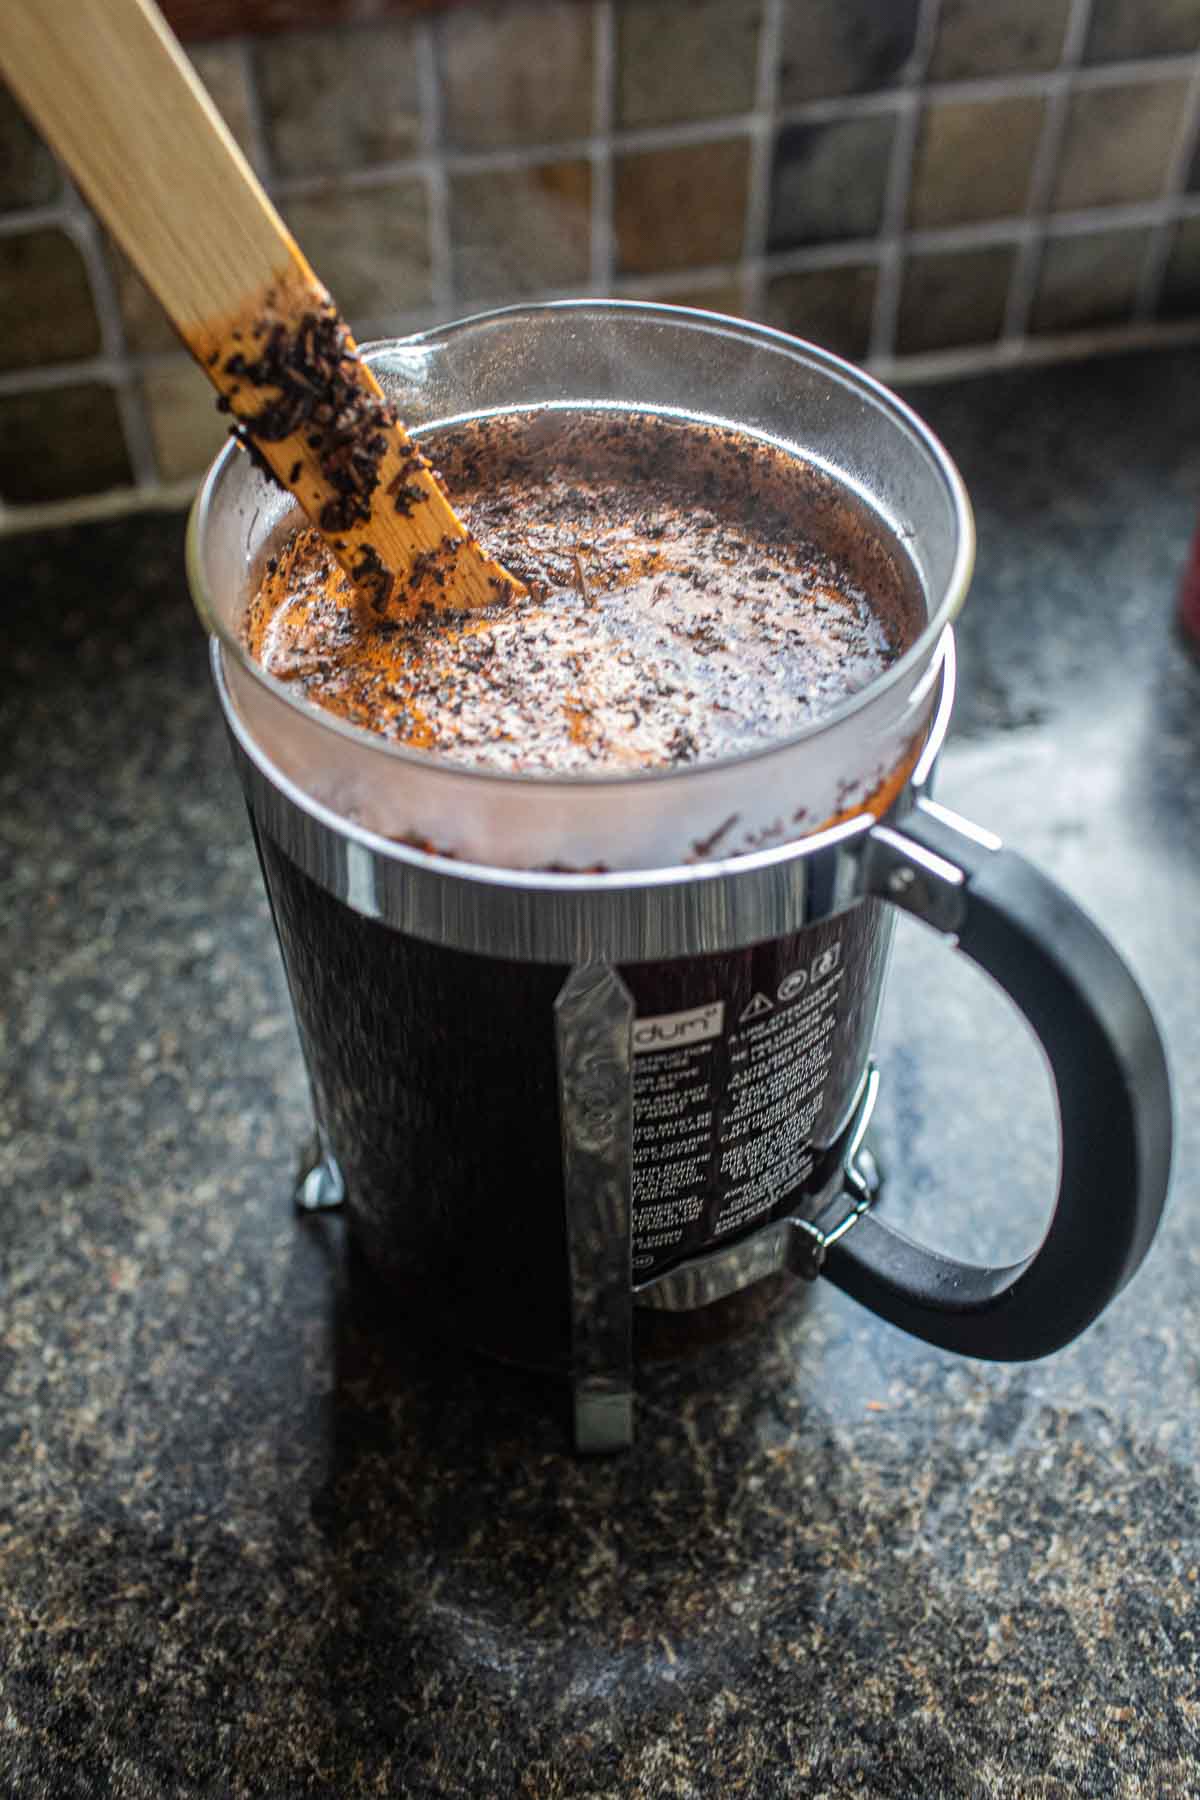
[[595, 1019], [594, 1030]]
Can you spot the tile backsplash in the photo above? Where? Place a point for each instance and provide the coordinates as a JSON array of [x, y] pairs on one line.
[[921, 185]]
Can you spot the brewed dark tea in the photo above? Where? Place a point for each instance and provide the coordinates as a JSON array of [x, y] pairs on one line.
[[679, 609]]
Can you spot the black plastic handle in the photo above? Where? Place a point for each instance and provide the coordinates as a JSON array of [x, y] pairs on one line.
[[1114, 1102]]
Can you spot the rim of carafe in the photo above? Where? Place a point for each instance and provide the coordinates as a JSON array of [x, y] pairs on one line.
[[921, 652]]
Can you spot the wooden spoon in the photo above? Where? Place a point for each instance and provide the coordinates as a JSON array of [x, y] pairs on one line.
[[112, 91]]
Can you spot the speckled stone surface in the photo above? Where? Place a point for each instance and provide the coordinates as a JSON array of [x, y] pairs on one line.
[[255, 1542]]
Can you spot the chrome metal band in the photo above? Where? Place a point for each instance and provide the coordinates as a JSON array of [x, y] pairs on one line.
[[534, 916]]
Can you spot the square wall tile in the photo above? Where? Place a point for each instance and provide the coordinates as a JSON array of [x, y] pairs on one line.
[[843, 47], [1122, 30], [681, 208], [830, 307], [186, 427], [147, 327], [685, 59], [46, 309], [222, 69], [344, 99], [828, 181], [1118, 143], [974, 159], [997, 37], [717, 296], [1088, 280], [517, 73], [371, 246], [1180, 297], [949, 298], [61, 442], [28, 173], [520, 231]]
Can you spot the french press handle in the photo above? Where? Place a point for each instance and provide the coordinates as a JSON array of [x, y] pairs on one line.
[[1110, 1076]]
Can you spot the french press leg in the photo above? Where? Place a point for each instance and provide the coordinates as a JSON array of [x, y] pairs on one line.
[[320, 1185], [594, 1015]]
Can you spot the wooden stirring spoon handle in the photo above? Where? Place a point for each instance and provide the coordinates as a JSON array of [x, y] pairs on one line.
[[112, 91]]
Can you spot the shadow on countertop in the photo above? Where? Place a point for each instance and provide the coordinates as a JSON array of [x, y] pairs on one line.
[[256, 1541]]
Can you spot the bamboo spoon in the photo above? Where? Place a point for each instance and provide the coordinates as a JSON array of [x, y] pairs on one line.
[[112, 91]]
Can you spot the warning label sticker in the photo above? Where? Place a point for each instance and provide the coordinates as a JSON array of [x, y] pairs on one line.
[[672, 1143], [777, 1070], [727, 1096]]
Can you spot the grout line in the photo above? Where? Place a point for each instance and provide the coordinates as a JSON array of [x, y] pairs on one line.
[[603, 248], [682, 133], [1022, 283], [916, 69], [890, 240], [139, 438], [520, 157], [150, 362], [1015, 227], [1089, 76], [260, 138], [899, 185], [1027, 267], [1153, 272], [844, 254], [85, 235], [85, 509], [1036, 352], [35, 218], [1019, 85], [1018, 229], [43, 379], [648, 287], [433, 166], [1104, 218], [654, 137], [752, 274], [762, 145], [127, 388], [848, 252], [121, 369], [515, 158], [839, 107], [1158, 251], [468, 306], [400, 325], [931, 366], [1079, 20], [424, 164]]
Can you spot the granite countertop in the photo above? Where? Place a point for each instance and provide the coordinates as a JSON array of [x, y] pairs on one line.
[[255, 1542]]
